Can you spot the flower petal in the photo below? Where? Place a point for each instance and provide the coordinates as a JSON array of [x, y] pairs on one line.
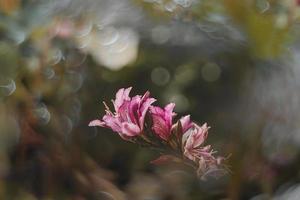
[[169, 112], [162, 120], [112, 122], [121, 96], [157, 111], [160, 127], [133, 109], [97, 122], [143, 108], [201, 135], [130, 129], [186, 123]]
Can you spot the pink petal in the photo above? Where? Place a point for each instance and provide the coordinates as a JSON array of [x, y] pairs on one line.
[[160, 127], [186, 135], [133, 109], [170, 107], [162, 120], [123, 112], [157, 111], [130, 129], [189, 154], [144, 107], [97, 122], [112, 122], [200, 135], [186, 123], [190, 141], [146, 95], [121, 96], [169, 113]]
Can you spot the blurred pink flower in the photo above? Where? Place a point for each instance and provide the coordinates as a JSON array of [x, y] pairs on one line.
[[162, 120], [129, 117], [193, 140]]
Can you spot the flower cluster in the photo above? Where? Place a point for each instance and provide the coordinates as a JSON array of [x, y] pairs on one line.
[[135, 119]]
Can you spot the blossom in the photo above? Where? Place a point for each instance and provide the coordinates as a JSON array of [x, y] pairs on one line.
[[193, 140], [129, 117], [162, 120], [185, 145]]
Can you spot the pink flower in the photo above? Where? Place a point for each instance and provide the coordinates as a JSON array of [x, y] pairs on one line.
[[162, 120], [129, 117], [186, 145], [193, 140]]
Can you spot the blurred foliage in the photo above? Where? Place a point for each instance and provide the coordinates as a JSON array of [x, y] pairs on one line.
[[231, 63], [9, 6]]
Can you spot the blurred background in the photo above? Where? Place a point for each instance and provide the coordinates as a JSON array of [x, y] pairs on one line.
[[234, 64]]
